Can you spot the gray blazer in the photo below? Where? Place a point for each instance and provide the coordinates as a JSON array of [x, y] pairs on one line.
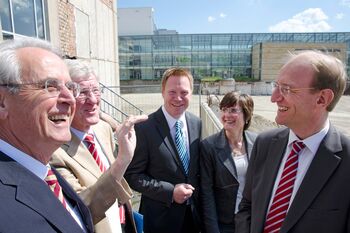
[[156, 168], [322, 203], [219, 184]]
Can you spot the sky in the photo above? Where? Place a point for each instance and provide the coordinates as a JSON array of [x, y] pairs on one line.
[[247, 16]]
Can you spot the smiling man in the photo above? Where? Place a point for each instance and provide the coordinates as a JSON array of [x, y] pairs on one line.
[[298, 177], [165, 165], [36, 107], [87, 161]]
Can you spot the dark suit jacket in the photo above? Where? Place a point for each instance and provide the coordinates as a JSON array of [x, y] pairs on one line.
[[219, 184], [156, 168], [322, 203], [28, 205]]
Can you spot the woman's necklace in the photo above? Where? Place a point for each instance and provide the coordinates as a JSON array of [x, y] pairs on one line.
[[237, 149]]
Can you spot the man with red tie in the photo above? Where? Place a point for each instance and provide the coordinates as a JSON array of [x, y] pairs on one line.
[[87, 161], [298, 177], [36, 107]]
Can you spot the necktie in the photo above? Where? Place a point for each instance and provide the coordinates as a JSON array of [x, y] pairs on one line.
[[181, 146], [281, 200], [89, 139], [55, 187]]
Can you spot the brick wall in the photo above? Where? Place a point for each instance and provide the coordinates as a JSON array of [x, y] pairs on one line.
[[67, 28]]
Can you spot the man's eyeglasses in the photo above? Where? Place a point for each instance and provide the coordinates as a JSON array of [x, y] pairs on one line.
[[51, 86], [231, 110], [286, 90], [87, 92]]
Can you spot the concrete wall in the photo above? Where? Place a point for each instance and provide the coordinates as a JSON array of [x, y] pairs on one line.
[[268, 58], [210, 123], [222, 87], [87, 30]]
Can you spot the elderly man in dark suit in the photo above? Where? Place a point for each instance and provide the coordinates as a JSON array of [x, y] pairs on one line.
[[165, 165], [298, 177], [36, 107]]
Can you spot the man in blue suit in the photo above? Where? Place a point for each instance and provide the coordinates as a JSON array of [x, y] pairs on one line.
[[36, 107]]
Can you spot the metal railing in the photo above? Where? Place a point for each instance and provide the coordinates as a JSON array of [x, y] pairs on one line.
[[116, 106]]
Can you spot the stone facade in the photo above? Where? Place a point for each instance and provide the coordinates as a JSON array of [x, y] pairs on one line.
[[87, 30], [268, 58]]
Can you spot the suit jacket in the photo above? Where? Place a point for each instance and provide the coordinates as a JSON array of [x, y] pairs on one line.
[[322, 203], [219, 184], [28, 204], [156, 168], [98, 190]]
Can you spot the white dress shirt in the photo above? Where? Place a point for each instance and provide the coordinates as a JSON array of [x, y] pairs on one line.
[[171, 123], [81, 135]]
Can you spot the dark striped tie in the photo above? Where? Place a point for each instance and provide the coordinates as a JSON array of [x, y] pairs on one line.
[[181, 146], [281, 199]]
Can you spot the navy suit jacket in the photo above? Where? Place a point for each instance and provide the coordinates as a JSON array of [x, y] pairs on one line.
[[156, 168], [322, 203], [27, 204]]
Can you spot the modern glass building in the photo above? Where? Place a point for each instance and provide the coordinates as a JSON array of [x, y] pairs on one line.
[[221, 55]]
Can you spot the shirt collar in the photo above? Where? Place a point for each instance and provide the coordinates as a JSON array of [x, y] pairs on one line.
[[80, 134], [312, 142], [171, 120], [24, 159]]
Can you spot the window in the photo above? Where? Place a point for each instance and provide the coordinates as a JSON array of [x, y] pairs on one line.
[[23, 17]]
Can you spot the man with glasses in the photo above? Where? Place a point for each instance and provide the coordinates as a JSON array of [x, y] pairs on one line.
[[87, 161], [298, 177], [36, 107]]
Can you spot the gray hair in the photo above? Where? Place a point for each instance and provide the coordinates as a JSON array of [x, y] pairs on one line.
[[79, 69], [10, 66]]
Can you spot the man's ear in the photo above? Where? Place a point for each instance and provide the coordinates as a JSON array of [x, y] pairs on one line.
[[3, 105], [325, 97]]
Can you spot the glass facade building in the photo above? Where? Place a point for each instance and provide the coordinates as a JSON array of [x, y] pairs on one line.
[[206, 55], [26, 18]]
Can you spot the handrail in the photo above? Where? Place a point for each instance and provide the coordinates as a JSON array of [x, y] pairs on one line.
[[104, 87], [111, 99]]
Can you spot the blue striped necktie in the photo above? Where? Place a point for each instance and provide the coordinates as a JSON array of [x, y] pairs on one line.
[[181, 146]]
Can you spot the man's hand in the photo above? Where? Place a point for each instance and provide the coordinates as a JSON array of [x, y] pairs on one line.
[[126, 145], [182, 192]]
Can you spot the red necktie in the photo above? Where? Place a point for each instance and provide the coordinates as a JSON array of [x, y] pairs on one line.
[[281, 199], [89, 138], [55, 187]]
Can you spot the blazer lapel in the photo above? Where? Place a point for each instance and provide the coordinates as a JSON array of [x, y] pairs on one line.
[[274, 156], [78, 151], [326, 161], [34, 193], [224, 153], [249, 142], [164, 131], [102, 138], [70, 194]]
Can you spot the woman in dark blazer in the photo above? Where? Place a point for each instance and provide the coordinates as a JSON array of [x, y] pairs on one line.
[[224, 160]]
